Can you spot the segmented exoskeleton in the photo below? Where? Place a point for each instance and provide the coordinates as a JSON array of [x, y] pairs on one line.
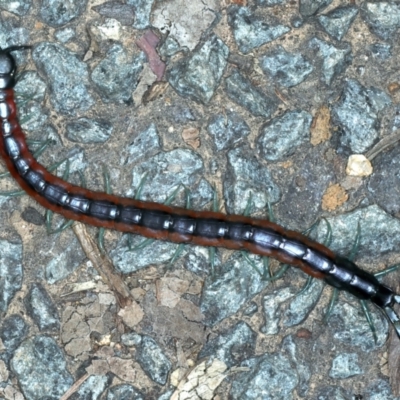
[[175, 224]]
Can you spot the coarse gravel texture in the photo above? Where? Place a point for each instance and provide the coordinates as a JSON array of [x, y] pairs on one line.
[[259, 99]]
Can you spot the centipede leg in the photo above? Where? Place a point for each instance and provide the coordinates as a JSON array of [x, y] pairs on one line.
[[363, 303], [368, 317], [251, 263], [387, 271], [356, 244], [281, 271], [246, 213], [5, 174], [49, 219], [49, 214], [266, 274], [100, 240], [39, 151], [267, 271], [353, 252], [147, 242], [36, 154], [42, 148], [211, 250], [43, 145], [107, 188], [331, 305], [249, 206], [54, 166], [137, 196], [139, 189], [181, 246], [306, 286], [14, 193], [326, 242], [82, 179]]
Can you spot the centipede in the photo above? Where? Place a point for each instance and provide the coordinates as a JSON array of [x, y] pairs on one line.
[[175, 224]]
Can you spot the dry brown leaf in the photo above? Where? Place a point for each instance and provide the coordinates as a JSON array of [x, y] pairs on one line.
[[191, 137], [131, 314], [393, 87], [156, 90], [320, 131], [201, 382], [334, 197]]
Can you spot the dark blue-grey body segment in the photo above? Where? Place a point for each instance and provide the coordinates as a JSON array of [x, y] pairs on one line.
[[338, 272], [172, 223]]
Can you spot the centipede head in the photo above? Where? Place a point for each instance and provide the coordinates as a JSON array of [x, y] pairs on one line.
[[392, 315], [8, 66]]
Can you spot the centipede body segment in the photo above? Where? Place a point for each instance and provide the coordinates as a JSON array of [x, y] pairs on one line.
[[175, 224]]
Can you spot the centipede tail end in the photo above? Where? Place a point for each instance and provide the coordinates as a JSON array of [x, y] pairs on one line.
[[392, 315], [180, 225]]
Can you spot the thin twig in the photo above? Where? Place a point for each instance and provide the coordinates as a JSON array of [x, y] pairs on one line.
[[74, 387], [103, 265], [382, 145]]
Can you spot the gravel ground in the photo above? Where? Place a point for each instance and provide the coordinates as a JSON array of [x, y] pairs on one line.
[[248, 102]]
